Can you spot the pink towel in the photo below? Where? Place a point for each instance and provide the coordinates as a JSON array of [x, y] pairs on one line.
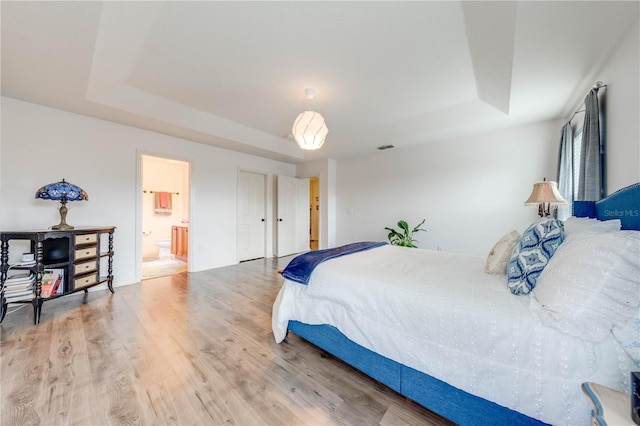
[[164, 200], [162, 203]]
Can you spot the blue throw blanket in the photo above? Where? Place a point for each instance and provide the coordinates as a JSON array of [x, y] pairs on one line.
[[301, 267]]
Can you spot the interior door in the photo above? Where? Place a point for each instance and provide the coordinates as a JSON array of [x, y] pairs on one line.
[[304, 217], [287, 216], [251, 215], [315, 209]]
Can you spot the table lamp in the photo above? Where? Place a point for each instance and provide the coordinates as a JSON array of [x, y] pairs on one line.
[[545, 195], [62, 191]]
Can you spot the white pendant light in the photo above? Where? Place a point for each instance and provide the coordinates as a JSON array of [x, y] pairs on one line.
[[309, 129]]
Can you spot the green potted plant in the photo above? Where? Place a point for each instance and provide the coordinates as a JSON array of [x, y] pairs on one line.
[[404, 237]]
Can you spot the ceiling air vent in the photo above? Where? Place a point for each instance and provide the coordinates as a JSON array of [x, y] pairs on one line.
[[383, 147]]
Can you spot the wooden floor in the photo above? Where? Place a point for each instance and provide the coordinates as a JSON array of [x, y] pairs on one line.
[[188, 349]]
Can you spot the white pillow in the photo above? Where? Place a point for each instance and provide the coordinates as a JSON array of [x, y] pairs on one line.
[[591, 284], [499, 255], [586, 225]]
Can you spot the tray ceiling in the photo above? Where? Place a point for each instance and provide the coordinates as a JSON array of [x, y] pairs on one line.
[[233, 74]]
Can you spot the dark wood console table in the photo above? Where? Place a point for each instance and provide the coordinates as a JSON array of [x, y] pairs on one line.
[[83, 257]]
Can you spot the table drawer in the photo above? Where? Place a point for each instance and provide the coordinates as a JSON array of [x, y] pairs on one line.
[[81, 268], [86, 239], [86, 252], [85, 281]]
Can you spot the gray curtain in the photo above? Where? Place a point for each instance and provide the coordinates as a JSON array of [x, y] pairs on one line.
[[565, 171], [590, 184]]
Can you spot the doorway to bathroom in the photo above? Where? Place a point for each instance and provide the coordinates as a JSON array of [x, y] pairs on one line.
[[165, 216], [314, 213]]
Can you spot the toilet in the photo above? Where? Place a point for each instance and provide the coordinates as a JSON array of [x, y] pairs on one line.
[[165, 248]]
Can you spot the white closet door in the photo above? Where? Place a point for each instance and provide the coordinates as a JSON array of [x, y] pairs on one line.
[[251, 215], [304, 215], [287, 216]]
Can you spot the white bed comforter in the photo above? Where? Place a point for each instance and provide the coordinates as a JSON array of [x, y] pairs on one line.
[[441, 314]]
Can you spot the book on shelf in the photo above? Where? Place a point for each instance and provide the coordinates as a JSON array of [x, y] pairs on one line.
[[56, 286], [18, 295], [19, 283], [19, 277], [45, 290], [11, 288], [51, 282], [14, 290]]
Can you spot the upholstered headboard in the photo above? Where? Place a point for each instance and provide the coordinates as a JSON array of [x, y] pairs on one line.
[[623, 204]]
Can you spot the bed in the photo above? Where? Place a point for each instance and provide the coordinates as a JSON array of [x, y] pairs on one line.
[[438, 329]]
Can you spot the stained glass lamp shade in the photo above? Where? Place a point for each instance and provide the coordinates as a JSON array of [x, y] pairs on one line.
[[62, 191]]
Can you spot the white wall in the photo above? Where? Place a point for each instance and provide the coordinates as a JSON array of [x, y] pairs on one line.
[[41, 145], [471, 190], [621, 73]]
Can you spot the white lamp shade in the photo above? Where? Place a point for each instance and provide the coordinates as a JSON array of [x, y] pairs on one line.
[[309, 130], [545, 192]]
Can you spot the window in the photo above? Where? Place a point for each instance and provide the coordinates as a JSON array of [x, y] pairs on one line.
[[577, 153], [581, 160]]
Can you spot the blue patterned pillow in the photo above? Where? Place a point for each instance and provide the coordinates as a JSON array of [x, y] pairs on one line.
[[532, 253]]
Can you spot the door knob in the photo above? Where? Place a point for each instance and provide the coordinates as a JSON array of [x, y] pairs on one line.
[[279, 220], [262, 220]]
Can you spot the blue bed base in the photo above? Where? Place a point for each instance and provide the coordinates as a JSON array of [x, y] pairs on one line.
[[452, 403]]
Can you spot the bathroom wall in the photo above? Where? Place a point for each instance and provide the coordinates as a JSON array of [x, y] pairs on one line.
[[163, 175]]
